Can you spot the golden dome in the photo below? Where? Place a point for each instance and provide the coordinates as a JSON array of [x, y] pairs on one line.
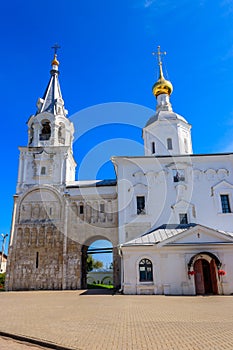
[[162, 86], [55, 61]]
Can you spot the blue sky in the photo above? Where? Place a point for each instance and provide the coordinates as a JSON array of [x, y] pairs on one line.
[[106, 57]]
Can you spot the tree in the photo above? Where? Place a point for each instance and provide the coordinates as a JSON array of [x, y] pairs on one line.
[[93, 264]]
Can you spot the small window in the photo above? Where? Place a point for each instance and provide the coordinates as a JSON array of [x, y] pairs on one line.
[[37, 260], [102, 208], [81, 209], [43, 170], [169, 144], [153, 148], [50, 211], [140, 205], [183, 218], [178, 175], [145, 271], [225, 203]]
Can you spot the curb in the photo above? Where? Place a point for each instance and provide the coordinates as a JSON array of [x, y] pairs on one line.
[[33, 341]]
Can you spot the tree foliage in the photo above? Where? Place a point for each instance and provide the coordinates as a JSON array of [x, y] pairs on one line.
[[93, 264]]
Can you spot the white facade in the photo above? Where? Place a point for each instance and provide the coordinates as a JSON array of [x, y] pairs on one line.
[[171, 186]]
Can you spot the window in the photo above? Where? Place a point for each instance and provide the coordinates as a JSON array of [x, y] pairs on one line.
[[140, 205], [178, 175], [169, 144], [153, 147], [102, 208], [225, 203], [183, 218], [145, 271], [43, 170], [81, 209], [37, 260], [45, 131]]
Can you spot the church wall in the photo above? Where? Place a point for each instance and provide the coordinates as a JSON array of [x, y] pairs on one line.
[[205, 178], [170, 270]]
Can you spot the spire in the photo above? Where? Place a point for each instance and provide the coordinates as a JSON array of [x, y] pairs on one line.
[[52, 101], [162, 86]]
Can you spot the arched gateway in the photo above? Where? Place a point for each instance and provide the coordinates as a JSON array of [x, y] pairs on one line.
[[205, 266]]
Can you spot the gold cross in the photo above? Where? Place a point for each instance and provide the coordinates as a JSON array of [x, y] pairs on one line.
[[159, 54], [55, 48]]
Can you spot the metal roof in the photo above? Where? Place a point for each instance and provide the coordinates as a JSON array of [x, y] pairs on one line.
[[160, 234], [92, 183]]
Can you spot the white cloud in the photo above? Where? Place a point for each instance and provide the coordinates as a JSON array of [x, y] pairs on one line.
[[148, 3]]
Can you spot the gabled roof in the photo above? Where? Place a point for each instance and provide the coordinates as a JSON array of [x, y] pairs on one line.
[[166, 232]]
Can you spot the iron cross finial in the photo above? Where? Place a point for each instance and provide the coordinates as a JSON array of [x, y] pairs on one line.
[[159, 54], [55, 47]]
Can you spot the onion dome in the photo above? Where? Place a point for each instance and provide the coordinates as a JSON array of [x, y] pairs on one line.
[[55, 61], [162, 86]]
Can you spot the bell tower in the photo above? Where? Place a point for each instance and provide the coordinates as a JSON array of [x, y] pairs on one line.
[[48, 157], [166, 133]]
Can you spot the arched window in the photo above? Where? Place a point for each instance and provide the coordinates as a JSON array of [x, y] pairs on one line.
[[61, 133], [45, 131], [145, 270], [31, 134]]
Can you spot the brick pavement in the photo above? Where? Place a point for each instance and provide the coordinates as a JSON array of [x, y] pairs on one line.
[[8, 344], [104, 322]]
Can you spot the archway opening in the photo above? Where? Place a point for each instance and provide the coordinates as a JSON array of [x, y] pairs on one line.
[[206, 276], [98, 265]]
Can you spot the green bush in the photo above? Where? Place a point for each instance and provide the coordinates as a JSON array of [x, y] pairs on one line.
[[2, 281]]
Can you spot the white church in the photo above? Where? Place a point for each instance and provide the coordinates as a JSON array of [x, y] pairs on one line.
[[168, 214]]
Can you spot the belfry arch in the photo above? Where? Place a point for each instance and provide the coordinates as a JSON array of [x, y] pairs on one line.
[[115, 259], [205, 266]]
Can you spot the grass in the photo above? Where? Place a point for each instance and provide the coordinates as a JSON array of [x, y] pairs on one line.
[[100, 286]]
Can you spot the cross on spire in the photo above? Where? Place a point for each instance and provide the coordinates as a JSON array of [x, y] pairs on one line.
[[159, 54], [55, 47]]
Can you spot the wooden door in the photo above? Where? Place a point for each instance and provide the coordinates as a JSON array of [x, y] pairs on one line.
[[213, 274], [207, 276], [199, 278]]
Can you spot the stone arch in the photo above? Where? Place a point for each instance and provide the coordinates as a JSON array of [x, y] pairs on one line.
[[205, 266], [40, 204], [84, 253], [45, 130]]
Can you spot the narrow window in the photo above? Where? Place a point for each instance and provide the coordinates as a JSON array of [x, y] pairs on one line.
[[225, 203], [50, 211], [153, 148], [37, 260], [102, 208], [183, 218], [169, 144], [140, 205], [43, 170], [81, 209], [145, 271]]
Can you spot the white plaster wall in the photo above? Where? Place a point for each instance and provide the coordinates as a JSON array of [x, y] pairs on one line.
[[165, 199], [170, 269]]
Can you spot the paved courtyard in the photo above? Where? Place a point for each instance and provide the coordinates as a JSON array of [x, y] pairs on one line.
[[118, 322]]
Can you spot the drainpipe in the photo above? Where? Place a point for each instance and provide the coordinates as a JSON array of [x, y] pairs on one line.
[[122, 267]]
